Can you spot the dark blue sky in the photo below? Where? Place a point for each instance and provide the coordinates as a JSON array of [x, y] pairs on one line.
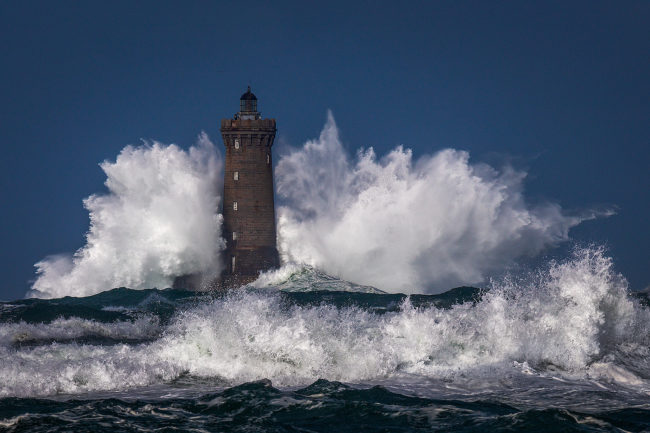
[[560, 89]]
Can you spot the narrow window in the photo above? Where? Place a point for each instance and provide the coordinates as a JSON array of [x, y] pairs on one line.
[[235, 175], [234, 205], [268, 158], [232, 263], [236, 143], [234, 236]]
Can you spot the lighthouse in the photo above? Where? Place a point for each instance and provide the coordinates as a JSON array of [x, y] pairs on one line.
[[248, 206]]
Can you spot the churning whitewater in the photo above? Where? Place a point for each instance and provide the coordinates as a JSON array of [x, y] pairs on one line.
[[393, 223], [565, 348], [571, 321]]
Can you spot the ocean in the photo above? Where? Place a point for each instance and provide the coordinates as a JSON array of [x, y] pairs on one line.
[[565, 348]]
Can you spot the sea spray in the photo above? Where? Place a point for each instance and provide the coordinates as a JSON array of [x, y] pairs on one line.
[[407, 225], [572, 320], [158, 220], [394, 223]]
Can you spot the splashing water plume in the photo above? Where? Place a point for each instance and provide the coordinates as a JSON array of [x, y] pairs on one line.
[[395, 223], [405, 225], [158, 220]]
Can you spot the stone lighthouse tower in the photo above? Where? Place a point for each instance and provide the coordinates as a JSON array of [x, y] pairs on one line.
[[248, 209]]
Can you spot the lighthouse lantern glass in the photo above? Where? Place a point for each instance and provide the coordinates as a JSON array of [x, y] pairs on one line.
[[247, 105]]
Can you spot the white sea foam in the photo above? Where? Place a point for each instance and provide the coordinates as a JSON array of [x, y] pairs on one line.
[[66, 329], [573, 320], [292, 277], [158, 220], [391, 223], [404, 225]]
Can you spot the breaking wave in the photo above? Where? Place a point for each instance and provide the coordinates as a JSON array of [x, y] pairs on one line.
[[158, 220], [394, 223], [405, 225], [572, 320]]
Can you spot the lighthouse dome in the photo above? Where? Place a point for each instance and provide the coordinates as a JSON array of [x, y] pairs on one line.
[[248, 96]]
